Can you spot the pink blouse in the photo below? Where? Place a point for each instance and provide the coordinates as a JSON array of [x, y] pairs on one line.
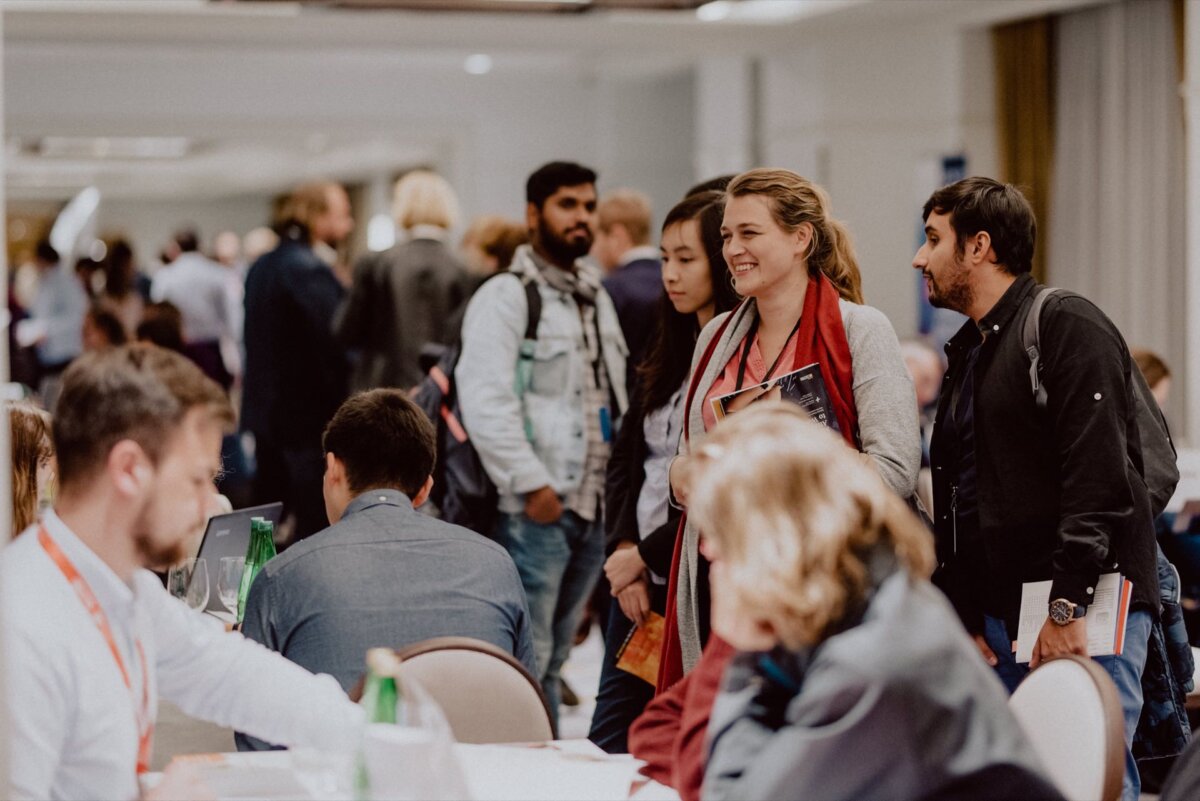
[[756, 371]]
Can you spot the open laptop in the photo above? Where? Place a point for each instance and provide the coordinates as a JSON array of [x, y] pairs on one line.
[[229, 535]]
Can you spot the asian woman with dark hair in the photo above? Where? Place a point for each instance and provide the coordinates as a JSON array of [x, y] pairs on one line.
[[640, 524]]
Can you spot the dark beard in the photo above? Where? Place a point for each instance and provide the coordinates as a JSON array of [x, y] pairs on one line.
[[562, 252], [957, 295]]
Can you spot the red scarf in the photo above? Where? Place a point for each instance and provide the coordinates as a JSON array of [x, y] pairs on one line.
[[821, 338]]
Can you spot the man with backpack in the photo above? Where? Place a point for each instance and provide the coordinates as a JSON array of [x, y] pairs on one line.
[[1033, 486], [540, 396]]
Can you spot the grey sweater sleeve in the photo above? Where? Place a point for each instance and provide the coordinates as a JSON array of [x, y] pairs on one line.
[[884, 395]]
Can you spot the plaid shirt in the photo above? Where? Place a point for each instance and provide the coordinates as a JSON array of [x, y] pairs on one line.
[[587, 500]]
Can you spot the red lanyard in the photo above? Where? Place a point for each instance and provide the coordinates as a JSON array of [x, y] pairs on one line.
[[96, 612]]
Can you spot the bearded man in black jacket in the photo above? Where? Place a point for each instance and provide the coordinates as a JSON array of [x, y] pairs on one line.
[[1025, 494]]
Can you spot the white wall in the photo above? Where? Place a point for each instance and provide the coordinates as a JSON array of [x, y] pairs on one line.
[[149, 224], [860, 112], [858, 108]]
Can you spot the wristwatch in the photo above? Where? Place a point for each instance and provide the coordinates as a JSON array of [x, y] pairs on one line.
[[1063, 611]]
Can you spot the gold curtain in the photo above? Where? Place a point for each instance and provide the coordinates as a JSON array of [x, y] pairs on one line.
[[1180, 11], [1024, 59]]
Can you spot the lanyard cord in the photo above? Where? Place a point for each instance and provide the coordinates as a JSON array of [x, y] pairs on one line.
[[750, 335], [88, 598]]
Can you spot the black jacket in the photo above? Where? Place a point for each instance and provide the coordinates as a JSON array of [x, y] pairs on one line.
[[626, 474], [636, 289], [401, 300], [296, 373], [1059, 490]]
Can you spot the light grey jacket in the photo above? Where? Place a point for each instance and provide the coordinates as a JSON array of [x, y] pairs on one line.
[[888, 427], [897, 707], [494, 415]]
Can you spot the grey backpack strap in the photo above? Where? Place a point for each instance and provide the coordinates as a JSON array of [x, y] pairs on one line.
[[1031, 341]]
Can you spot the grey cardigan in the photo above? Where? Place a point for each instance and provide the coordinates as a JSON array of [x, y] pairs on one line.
[[887, 422], [898, 706]]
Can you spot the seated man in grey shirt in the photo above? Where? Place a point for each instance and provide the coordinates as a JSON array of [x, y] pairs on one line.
[[383, 574]]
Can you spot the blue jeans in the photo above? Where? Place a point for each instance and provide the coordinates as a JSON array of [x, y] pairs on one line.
[[1125, 670], [622, 696], [558, 564]]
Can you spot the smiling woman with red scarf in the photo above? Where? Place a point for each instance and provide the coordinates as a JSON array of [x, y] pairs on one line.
[[796, 268]]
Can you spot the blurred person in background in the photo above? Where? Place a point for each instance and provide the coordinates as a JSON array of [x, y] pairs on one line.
[[121, 282], [33, 465], [633, 272], [199, 288], [90, 273], [488, 245], [1158, 376], [55, 323], [405, 297], [296, 372], [640, 525], [161, 325], [926, 369], [102, 328], [256, 243], [227, 252]]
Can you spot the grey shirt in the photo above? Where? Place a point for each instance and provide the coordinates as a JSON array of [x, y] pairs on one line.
[[385, 575]]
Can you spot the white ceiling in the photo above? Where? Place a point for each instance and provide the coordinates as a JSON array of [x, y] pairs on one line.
[[270, 93]]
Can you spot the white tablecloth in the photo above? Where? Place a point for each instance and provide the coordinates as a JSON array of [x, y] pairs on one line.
[[562, 770]]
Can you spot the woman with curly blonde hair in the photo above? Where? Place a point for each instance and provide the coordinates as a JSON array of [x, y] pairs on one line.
[[853, 678]]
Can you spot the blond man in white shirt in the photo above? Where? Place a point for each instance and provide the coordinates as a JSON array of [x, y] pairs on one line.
[[92, 639]]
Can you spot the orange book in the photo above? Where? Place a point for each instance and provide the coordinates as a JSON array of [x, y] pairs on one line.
[[640, 652], [1122, 617]]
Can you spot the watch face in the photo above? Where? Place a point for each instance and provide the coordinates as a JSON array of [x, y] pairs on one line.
[[1060, 611]]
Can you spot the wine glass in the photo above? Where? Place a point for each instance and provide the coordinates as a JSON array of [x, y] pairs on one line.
[[229, 580], [178, 577], [198, 588], [188, 581]]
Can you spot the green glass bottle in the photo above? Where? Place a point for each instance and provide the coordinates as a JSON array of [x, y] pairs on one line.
[[381, 694], [383, 703], [260, 550]]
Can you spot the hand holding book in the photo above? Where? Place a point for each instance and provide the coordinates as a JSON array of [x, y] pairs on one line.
[[1103, 633]]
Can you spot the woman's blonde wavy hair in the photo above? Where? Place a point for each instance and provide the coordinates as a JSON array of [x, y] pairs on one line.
[[795, 201], [423, 197], [794, 511]]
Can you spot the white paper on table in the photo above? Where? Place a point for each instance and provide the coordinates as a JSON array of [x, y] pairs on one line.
[[544, 773], [1101, 616]]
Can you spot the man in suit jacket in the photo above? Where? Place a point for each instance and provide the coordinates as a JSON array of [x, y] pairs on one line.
[[633, 268], [383, 574], [296, 372], [410, 295]]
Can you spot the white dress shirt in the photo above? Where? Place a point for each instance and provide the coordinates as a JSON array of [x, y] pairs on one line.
[[205, 295], [73, 729], [59, 307]]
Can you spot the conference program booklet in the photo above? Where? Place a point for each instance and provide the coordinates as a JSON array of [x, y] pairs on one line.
[[804, 387], [1106, 616], [640, 652]]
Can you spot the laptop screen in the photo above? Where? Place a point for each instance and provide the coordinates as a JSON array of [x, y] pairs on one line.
[[229, 535]]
